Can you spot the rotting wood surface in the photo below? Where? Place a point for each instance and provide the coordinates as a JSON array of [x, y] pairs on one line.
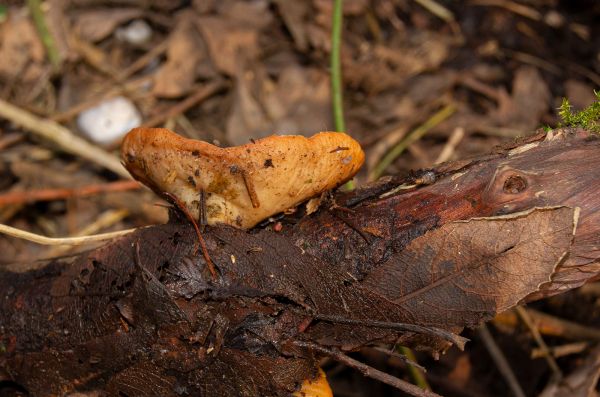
[[142, 316]]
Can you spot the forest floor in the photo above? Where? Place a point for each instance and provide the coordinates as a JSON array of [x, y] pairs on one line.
[[444, 83]]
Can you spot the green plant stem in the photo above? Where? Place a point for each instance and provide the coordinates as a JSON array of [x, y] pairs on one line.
[[416, 374], [337, 98], [336, 67], [412, 137], [35, 8]]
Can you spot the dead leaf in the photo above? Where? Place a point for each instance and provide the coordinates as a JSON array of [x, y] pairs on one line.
[[579, 94], [391, 64], [185, 51], [297, 103], [528, 102], [230, 44], [462, 272], [95, 25], [250, 14], [293, 14], [23, 49]]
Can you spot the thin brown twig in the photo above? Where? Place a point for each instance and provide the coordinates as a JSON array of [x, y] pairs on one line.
[[561, 350], [106, 94], [143, 60], [10, 139], [367, 370], [552, 326], [500, 361], [30, 196], [201, 94], [526, 318]]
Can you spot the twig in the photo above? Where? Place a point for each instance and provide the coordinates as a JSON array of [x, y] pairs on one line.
[[437, 9], [336, 67], [368, 371], [500, 361], [10, 139], [35, 8], [522, 313], [458, 340], [413, 136], [104, 94], [553, 326], [181, 206], [533, 60], [103, 221], [201, 94], [405, 359], [448, 150], [516, 8], [43, 240], [562, 350], [143, 60], [30, 196], [61, 136]]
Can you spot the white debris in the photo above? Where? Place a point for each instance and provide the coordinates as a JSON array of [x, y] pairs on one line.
[[109, 121], [137, 33]]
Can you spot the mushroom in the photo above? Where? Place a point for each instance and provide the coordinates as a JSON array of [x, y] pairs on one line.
[[243, 185]]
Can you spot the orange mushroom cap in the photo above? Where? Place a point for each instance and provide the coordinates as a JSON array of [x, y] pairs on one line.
[[246, 184]]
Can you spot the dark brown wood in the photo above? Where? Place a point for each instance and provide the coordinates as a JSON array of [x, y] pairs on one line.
[[481, 236]]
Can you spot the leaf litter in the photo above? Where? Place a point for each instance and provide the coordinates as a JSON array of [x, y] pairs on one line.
[[507, 72]]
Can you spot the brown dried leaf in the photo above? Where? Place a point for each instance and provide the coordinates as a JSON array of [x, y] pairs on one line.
[[95, 25], [463, 272], [230, 44], [525, 106], [392, 64], [21, 50], [297, 102], [185, 51], [293, 14], [251, 14]]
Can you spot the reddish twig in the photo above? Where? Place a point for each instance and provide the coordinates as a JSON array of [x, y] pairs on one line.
[[10, 139], [177, 203], [30, 196]]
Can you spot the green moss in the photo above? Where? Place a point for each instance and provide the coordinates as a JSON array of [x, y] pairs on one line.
[[588, 118]]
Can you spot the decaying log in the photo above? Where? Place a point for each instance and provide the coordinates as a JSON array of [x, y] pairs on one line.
[[444, 249]]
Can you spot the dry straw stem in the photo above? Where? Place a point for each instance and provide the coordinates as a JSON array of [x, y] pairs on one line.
[[39, 239], [103, 221], [62, 137]]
